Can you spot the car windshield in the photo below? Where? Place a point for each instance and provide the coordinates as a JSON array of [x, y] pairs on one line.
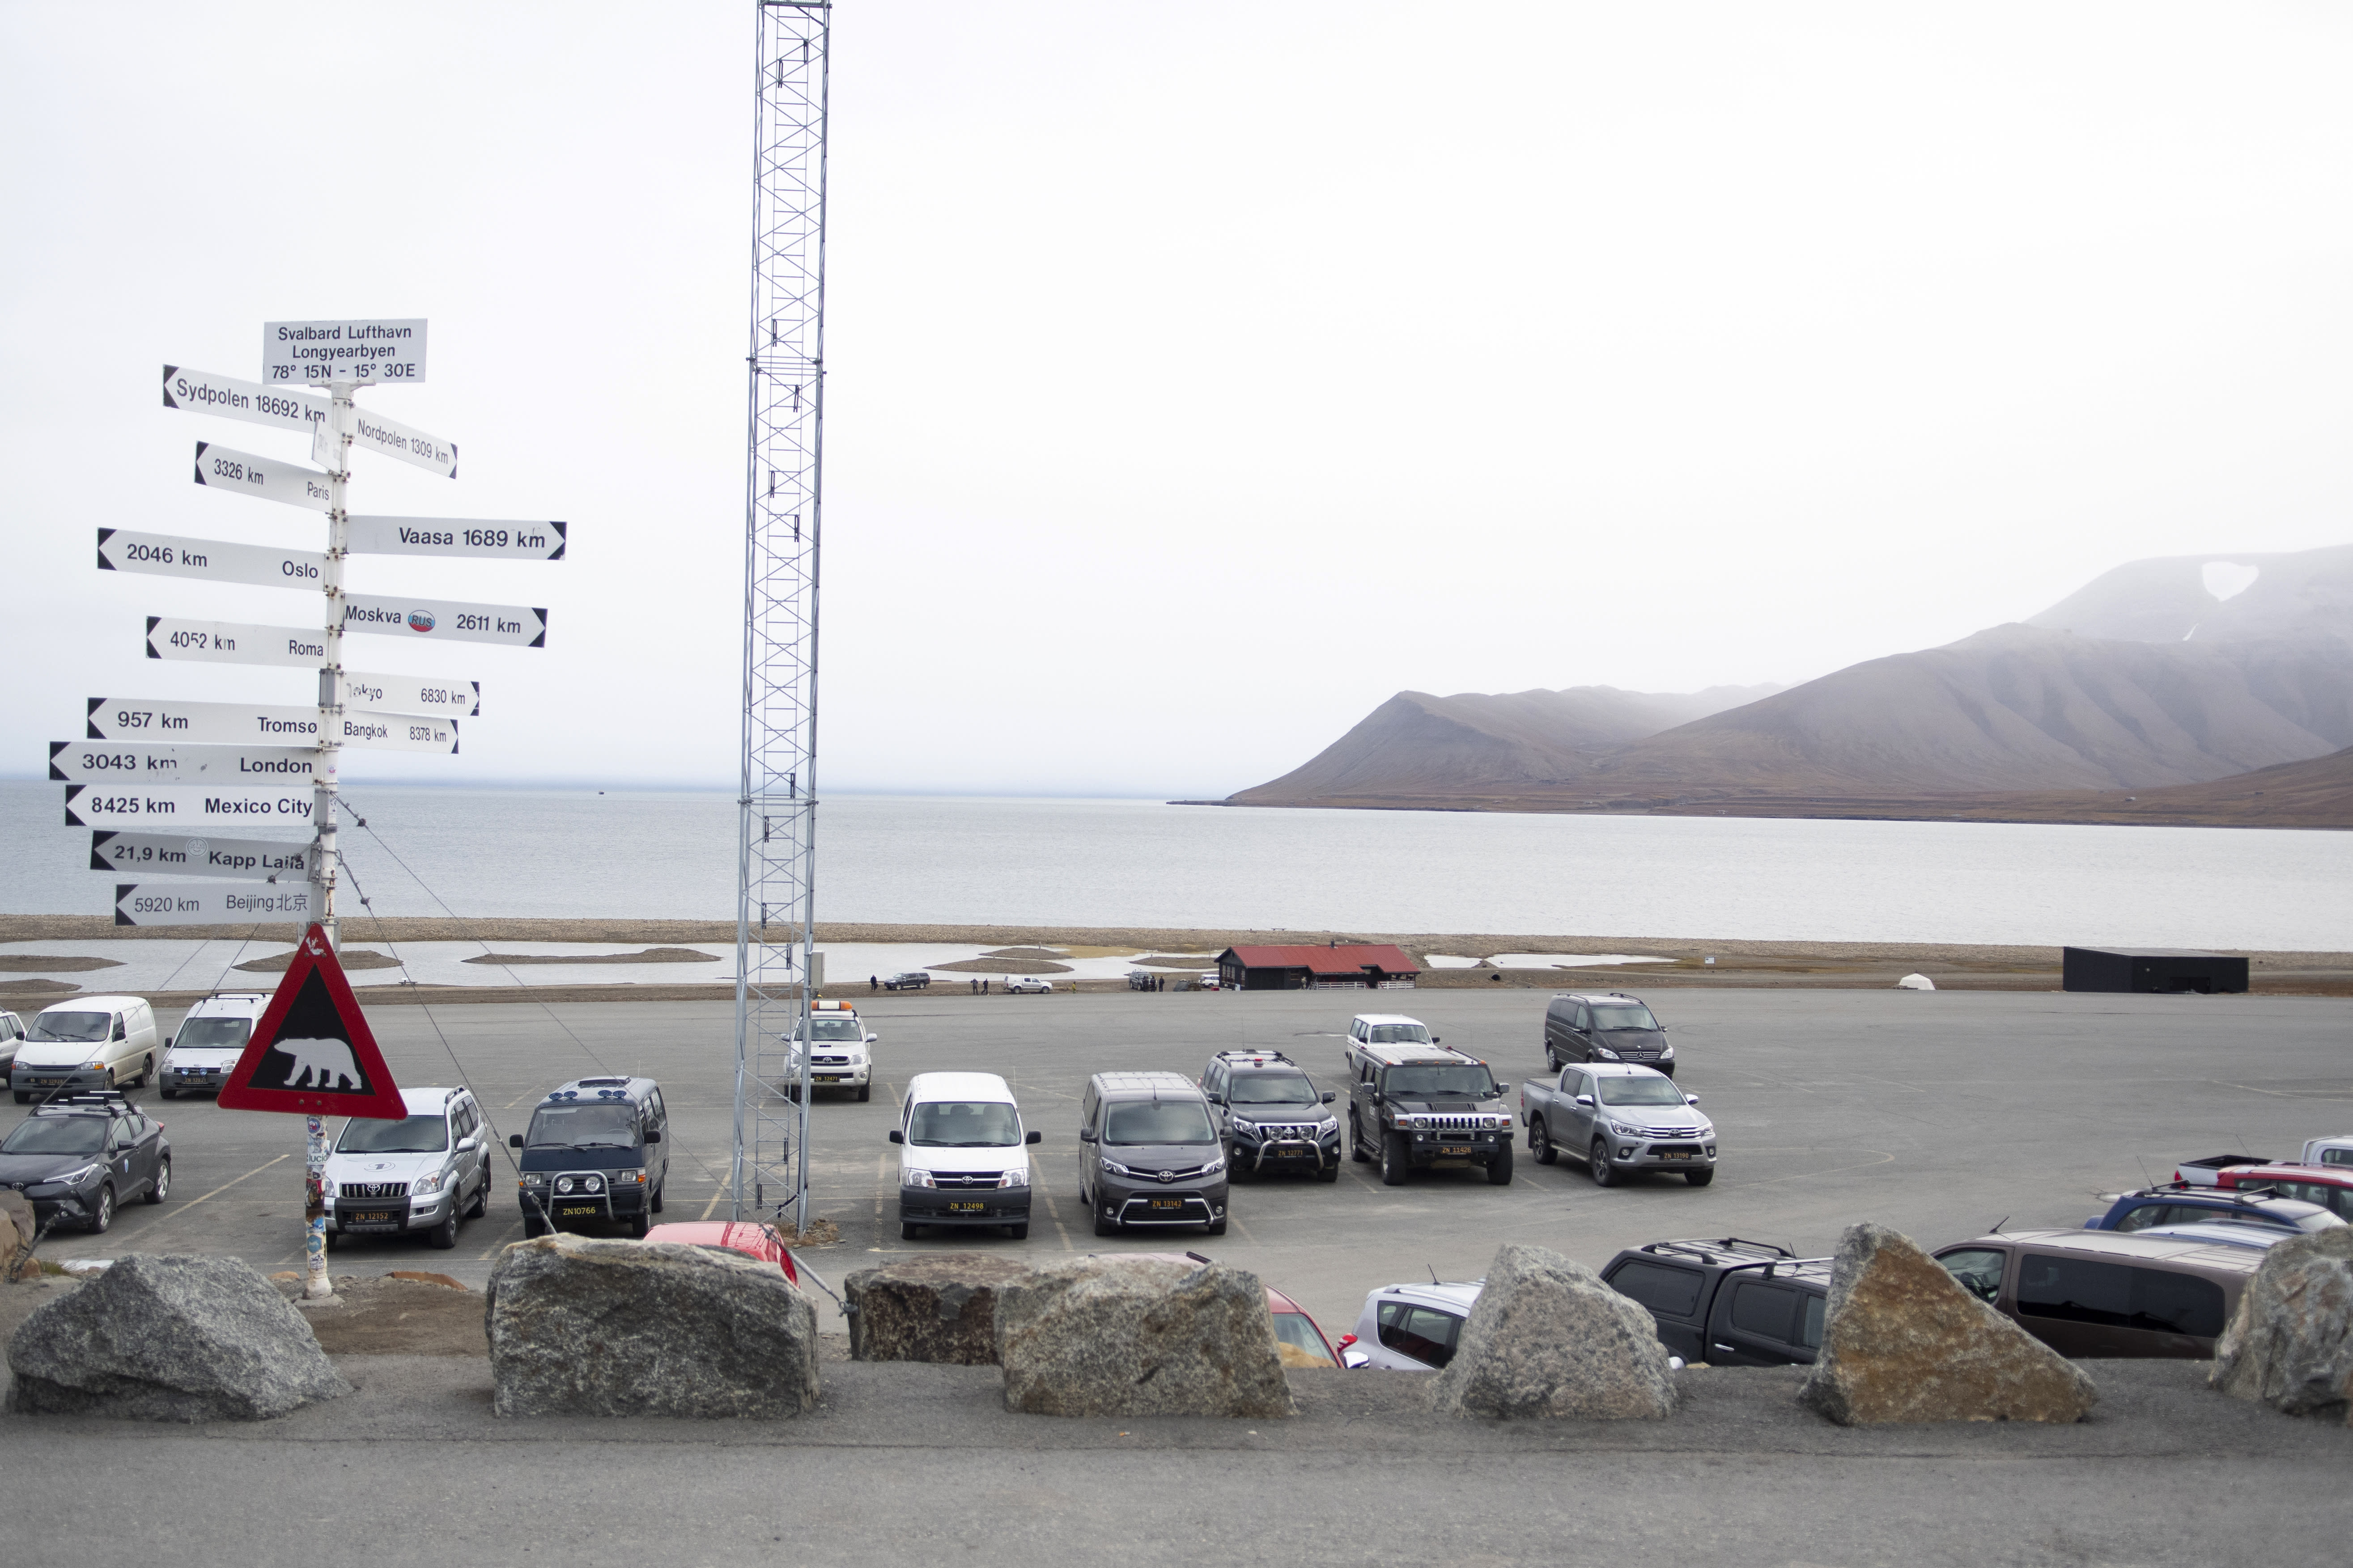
[[1623, 1015], [606, 1126], [1270, 1088], [212, 1033], [965, 1124], [409, 1135], [1399, 1034], [1159, 1121], [75, 1027], [1639, 1091], [1441, 1079], [832, 1030], [57, 1135]]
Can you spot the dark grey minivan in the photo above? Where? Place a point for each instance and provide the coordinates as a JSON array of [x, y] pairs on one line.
[[1585, 1026], [1152, 1157]]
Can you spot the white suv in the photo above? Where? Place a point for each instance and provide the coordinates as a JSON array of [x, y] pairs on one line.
[[208, 1042], [841, 1059], [424, 1172]]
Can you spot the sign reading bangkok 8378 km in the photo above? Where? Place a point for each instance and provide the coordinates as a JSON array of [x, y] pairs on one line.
[[313, 353]]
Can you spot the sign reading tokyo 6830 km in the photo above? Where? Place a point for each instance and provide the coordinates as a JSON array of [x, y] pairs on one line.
[[313, 353]]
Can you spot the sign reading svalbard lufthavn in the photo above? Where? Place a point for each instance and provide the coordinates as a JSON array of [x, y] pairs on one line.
[[313, 1052], [361, 350]]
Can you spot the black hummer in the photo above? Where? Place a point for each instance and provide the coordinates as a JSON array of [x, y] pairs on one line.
[[1728, 1302], [1413, 1106]]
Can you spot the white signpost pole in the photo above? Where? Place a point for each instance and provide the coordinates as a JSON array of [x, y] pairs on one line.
[[316, 1284]]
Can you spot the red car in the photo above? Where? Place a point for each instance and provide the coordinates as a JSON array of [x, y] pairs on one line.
[[2330, 1186], [1298, 1342], [760, 1241]]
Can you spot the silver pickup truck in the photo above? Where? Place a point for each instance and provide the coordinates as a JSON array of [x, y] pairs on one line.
[[1619, 1119]]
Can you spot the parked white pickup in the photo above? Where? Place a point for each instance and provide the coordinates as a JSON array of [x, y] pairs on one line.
[[2206, 1173]]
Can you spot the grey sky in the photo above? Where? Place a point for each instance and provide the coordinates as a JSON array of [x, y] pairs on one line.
[[1202, 374]]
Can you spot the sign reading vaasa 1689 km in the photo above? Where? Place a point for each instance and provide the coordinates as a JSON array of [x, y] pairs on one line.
[[133, 719], [117, 762], [316, 353], [213, 903], [493, 539], [218, 467], [179, 855], [141, 806], [170, 555]]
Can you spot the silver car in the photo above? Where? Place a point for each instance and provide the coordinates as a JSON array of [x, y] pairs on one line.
[[1619, 1119]]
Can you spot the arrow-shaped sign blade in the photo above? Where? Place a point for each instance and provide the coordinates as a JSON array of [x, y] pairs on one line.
[[199, 855], [212, 904], [228, 642], [482, 538], [413, 694], [201, 392], [219, 468], [147, 764], [444, 620], [117, 806], [211, 560], [390, 438]]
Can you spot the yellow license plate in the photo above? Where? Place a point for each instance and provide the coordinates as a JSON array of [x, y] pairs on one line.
[[1462, 1153], [373, 1217], [1675, 1153], [967, 1208], [577, 1210]]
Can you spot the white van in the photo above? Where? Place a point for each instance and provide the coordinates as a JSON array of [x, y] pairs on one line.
[[209, 1040], [90, 1042], [964, 1159]]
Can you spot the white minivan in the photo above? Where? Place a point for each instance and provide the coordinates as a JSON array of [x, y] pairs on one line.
[[209, 1040], [964, 1159], [90, 1042]]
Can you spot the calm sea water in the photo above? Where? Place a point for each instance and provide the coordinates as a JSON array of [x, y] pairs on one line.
[[1139, 863]]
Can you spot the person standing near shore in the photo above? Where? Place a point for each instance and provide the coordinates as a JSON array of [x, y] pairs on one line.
[[873, 983]]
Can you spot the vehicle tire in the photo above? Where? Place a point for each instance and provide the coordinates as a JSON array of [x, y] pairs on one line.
[[656, 1201], [1605, 1174], [1355, 1142], [105, 1215], [147, 1074], [335, 1241], [794, 1094], [22, 1097], [1540, 1143], [1552, 1060], [1700, 1178], [1018, 1232], [1330, 1173], [169, 1094], [482, 1203], [161, 1187], [907, 1231], [1106, 1226], [109, 1078], [1499, 1169], [1216, 1227], [865, 1092], [638, 1224], [1397, 1163]]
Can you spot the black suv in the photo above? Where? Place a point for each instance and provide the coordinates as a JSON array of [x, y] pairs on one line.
[[78, 1157], [1728, 1302], [1413, 1107], [1270, 1116], [1583, 1026], [592, 1156]]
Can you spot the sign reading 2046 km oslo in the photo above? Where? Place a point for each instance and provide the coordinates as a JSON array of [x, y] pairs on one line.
[[316, 353]]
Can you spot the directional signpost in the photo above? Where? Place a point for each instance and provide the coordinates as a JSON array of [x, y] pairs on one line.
[[312, 1052], [150, 776]]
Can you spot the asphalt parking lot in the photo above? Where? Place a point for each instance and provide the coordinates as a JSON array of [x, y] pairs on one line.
[[1939, 1114]]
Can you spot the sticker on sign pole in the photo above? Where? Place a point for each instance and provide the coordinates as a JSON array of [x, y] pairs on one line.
[[313, 1053]]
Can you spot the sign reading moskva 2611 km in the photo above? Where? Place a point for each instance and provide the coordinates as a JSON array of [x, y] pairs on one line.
[[316, 353], [444, 620]]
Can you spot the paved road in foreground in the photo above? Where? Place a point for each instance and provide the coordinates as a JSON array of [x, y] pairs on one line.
[[1941, 1114]]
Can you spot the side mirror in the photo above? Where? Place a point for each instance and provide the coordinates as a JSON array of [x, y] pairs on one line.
[[653, 1137], [1217, 1098], [1354, 1360], [468, 1145], [897, 1136], [1583, 1100], [871, 1038], [1437, 1039], [1086, 1135], [1691, 1099], [1035, 1138], [515, 1140], [1329, 1095]]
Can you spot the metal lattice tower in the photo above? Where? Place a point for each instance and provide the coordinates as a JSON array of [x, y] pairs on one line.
[[777, 849]]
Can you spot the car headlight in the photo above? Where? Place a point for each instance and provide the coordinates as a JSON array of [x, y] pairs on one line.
[[629, 1178], [535, 1178], [1214, 1166], [70, 1178], [915, 1178], [431, 1183], [1116, 1169], [592, 1183], [92, 1066], [1241, 1124], [1328, 1126], [1014, 1179], [562, 1183], [1624, 1129], [1605, 1053], [1499, 1121], [1666, 1053]]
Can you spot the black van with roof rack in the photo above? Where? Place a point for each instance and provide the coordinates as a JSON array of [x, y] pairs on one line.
[[595, 1156], [1727, 1302]]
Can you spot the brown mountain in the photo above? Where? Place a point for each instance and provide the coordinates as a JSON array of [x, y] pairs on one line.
[[2212, 598], [1416, 744]]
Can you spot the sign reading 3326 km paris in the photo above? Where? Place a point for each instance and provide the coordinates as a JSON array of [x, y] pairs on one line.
[[313, 353]]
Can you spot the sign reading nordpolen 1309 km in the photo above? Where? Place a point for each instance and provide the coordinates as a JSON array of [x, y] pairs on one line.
[[446, 620], [213, 903], [145, 806], [361, 350], [313, 1052], [195, 855]]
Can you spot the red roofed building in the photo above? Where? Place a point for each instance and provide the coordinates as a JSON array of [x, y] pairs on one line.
[[1309, 967]]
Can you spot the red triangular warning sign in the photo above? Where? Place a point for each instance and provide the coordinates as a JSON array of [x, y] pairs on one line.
[[312, 1052]]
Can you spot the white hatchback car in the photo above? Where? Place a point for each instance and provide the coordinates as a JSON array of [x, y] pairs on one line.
[[1410, 1328]]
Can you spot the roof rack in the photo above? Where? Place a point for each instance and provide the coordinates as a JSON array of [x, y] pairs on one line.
[[88, 1100], [2232, 1194], [1269, 1055], [1707, 1251]]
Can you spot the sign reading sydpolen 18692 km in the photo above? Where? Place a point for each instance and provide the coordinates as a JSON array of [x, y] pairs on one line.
[[316, 353]]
